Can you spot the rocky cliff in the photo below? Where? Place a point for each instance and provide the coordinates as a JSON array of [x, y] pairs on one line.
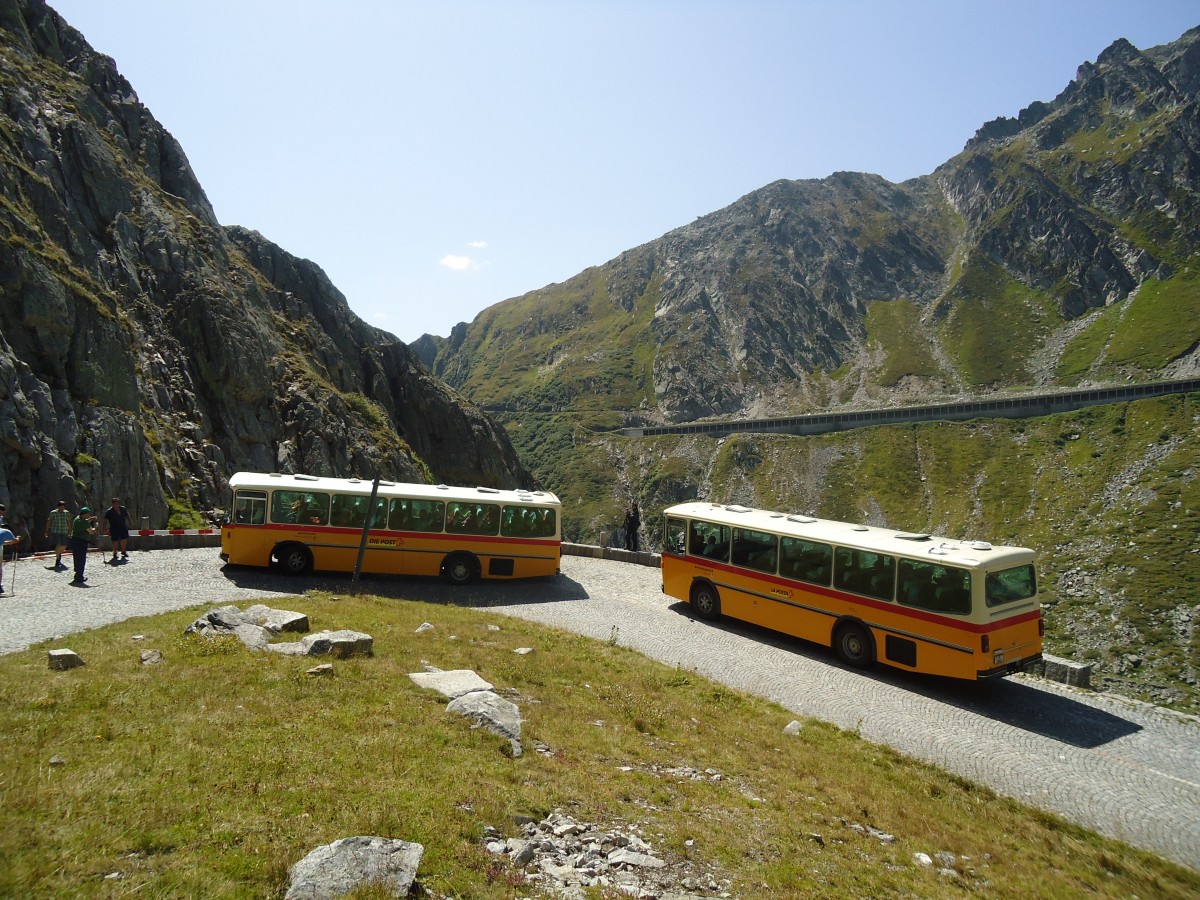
[[148, 352]]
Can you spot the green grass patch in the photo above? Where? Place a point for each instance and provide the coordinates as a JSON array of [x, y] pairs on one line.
[[1161, 324], [896, 327], [1157, 325], [183, 515], [993, 324], [208, 776]]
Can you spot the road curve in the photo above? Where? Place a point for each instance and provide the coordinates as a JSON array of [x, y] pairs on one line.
[[1126, 769]]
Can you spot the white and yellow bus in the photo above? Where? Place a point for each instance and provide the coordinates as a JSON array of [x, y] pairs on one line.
[[921, 603], [301, 522]]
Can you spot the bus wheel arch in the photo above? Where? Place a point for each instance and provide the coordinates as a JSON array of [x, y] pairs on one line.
[[460, 567], [705, 600], [853, 643], [293, 558]]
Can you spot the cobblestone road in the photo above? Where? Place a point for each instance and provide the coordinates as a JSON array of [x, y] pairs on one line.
[[1128, 770]]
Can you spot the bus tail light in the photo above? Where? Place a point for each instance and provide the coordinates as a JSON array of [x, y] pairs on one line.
[[986, 644]]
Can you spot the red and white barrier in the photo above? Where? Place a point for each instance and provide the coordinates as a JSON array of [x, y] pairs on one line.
[[149, 532]]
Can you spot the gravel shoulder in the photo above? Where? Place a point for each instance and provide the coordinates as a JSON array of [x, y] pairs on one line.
[[1129, 770]]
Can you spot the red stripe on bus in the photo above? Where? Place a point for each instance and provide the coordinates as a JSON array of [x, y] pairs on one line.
[[832, 593], [315, 530]]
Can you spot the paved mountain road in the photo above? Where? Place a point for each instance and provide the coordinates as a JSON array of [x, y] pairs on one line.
[[1126, 769]]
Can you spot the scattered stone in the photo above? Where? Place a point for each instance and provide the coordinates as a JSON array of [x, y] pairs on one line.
[[57, 761], [793, 727], [477, 699], [151, 657], [523, 651], [323, 670], [493, 628], [336, 869], [64, 659], [625, 857], [818, 839], [923, 859], [451, 684], [338, 644], [254, 628], [562, 857], [423, 627], [138, 637], [491, 711]]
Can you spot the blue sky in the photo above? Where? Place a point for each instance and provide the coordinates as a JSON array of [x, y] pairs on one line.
[[435, 158]]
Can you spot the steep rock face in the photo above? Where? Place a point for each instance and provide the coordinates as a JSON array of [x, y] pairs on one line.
[[852, 290], [147, 352], [775, 287]]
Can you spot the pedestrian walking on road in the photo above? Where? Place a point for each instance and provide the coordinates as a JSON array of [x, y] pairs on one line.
[[83, 527], [116, 526], [58, 530]]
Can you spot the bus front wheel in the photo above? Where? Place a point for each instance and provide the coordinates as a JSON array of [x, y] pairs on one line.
[[706, 601], [460, 568], [852, 643], [294, 559]]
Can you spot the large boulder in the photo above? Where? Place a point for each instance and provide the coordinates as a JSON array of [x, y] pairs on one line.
[[336, 869]]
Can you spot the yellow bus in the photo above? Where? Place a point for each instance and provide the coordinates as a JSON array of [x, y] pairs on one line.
[[921, 603], [298, 523]]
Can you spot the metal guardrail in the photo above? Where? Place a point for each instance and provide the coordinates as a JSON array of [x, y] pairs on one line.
[[1010, 407]]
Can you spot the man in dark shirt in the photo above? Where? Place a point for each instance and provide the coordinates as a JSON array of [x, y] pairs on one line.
[[116, 526]]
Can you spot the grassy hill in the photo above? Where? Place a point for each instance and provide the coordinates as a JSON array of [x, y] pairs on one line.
[[209, 775]]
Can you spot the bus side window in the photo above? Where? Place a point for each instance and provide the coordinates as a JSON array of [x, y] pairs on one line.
[[250, 507], [935, 587], [348, 511], [299, 508], [676, 532], [316, 509], [513, 522], [805, 560], [863, 572], [544, 523], [709, 540], [754, 549]]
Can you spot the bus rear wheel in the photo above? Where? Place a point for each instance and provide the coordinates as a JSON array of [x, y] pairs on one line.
[[852, 643], [706, 601], [294, 559], [460, 568]]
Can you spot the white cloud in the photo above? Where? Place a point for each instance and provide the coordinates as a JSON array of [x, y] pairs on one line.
[[477, 245], [458, 263]]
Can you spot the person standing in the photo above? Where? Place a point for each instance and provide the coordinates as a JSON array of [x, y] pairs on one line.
[[58, 529], [7, 539], [633, 521], [82, 528], [116, 526]]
